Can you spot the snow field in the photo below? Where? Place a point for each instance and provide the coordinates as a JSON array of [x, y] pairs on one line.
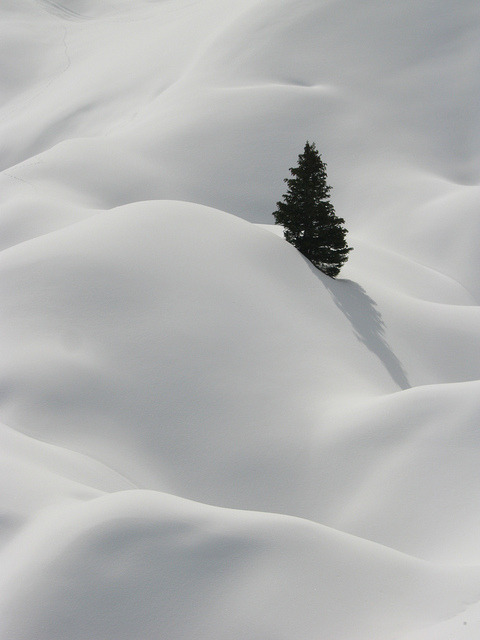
[[202, 435]]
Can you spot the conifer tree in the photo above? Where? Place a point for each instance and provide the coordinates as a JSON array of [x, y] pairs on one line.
[[308, 217]]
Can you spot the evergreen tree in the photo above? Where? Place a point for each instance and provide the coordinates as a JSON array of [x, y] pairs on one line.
[[309, 218]]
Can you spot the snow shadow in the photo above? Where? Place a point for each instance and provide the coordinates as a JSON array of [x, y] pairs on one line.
[[367, 323]]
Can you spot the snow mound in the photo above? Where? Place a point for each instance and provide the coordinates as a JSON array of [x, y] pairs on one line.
[[168, 567], [202, 435]]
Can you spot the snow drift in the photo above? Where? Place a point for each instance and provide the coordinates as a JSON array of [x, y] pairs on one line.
[[203, 436]]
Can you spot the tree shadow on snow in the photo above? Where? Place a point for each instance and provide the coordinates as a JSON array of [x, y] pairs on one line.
[[367, 323]]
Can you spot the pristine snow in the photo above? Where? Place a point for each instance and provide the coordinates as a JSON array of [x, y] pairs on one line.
[[203, 436]]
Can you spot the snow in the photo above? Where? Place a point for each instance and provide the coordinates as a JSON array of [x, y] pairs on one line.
[[202, 435]]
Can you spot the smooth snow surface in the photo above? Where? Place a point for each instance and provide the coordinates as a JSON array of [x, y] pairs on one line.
[[202, 436]]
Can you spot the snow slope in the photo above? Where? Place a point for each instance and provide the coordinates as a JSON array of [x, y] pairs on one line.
[[202, 435]]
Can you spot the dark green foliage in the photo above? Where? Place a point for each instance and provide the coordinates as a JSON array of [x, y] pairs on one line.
[[309, 218]]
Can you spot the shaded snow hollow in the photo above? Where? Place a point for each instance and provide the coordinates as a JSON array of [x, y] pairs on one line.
[[202, 435]]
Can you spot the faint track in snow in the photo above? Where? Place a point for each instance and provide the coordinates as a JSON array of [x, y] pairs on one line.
[[40, 90], [61, 11], [29, 99]]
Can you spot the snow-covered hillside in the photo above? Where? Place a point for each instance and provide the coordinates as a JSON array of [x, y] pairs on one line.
[[202, 435]]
